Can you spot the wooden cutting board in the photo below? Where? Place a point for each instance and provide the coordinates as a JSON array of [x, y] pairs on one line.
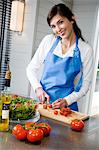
[[50, 114]]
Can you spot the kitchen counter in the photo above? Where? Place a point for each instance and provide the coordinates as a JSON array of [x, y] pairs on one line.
[[61, 138]]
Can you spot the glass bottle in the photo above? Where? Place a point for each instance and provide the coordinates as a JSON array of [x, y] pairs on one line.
[[5, 99]]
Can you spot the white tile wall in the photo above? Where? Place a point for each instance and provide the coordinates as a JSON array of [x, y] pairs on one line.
[[22, 50], [85, 12]]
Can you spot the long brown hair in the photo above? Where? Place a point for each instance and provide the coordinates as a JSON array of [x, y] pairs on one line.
[[63, 10]]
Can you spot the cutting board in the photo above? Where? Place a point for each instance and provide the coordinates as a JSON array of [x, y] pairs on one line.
[[49, 113]]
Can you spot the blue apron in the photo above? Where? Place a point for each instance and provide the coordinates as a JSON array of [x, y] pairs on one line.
[[59, 74]]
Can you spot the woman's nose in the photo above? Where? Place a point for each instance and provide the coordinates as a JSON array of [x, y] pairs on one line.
[[58, 28]]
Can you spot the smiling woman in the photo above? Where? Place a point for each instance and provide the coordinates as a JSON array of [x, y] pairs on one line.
[[5, 38], [62, 65]]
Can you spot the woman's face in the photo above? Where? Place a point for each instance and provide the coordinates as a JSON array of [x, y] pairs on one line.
[[61, 26]]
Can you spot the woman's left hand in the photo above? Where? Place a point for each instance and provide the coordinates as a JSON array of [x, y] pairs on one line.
[[59, 103]]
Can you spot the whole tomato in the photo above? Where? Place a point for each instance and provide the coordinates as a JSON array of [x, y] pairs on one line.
[[45, 127], [16, 129], [21, 135], [35, 135], [77, 124], [29, 125]]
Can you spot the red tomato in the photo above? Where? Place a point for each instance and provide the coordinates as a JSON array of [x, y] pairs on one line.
[[49, 105], [65, 111], [77, 124], [61, 112], [45, 106], [21, 135], [46, 128], [29, 125], [56, 112], [16, 129], [35, 135]]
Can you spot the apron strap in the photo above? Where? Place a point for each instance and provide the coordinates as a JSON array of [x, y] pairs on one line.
[[77, 55], [55, 44]]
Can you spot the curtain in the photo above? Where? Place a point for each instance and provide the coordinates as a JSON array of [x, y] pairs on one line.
[[5, 38]]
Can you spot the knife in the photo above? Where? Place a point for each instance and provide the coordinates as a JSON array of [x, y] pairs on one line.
[[45, 101]]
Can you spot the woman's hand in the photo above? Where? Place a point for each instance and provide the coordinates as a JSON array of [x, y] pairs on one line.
[[41, 94], [59, 103]]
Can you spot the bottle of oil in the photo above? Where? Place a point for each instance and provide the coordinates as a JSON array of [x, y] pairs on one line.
[[5, 100]]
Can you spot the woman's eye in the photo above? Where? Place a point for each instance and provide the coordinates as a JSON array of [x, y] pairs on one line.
[[52, 26], [61, 22]]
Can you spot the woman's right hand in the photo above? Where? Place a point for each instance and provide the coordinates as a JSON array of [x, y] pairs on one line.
[[41, 94]]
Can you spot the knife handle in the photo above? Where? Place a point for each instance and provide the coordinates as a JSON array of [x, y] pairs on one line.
[[45, 100]]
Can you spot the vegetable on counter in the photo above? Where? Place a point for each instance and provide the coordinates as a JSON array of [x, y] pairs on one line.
[[22, 108], [31, 131], [77, 124], [19, 132], [35, 135], [45, 127]]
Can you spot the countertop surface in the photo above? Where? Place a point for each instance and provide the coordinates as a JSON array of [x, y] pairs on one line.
[[61, 138]]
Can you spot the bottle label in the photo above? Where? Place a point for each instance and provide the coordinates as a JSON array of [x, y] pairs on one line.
[[5, 114], [5, 111]]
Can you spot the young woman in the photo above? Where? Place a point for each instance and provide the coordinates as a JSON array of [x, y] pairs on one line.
[[65, 57]]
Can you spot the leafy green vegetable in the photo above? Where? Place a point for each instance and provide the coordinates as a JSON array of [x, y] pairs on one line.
[[22, 108]]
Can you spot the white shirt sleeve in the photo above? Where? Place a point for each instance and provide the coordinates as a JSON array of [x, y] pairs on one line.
[[87, 54]]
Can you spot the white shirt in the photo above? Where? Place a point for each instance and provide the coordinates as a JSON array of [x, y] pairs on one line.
[[34, 67]]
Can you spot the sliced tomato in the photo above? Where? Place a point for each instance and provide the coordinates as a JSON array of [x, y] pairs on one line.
[[45, 106], [49, 105], [56, 112], [62, 109], [65, 111], [61, 112], [35, 135]]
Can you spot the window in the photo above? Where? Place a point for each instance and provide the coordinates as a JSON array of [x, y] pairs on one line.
[[5, 38]]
